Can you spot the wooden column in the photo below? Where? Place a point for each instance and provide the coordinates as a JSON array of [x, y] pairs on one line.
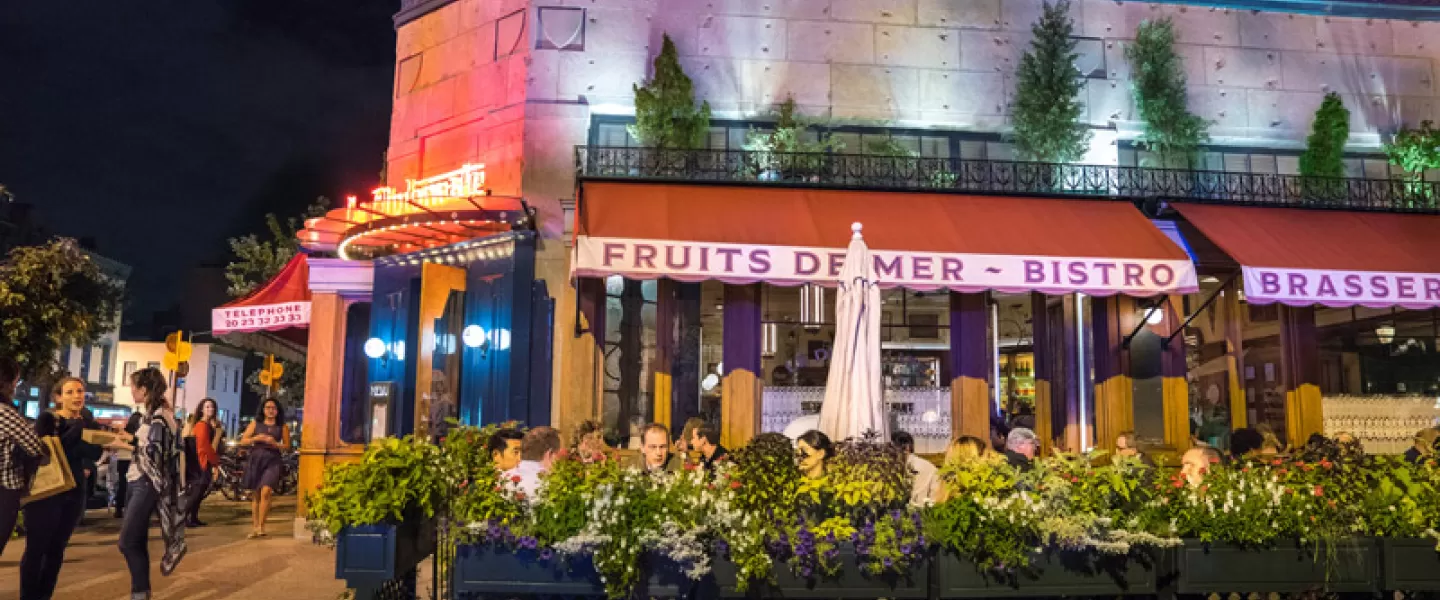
[[1233, 320], [1300, 373], [1176, 389], [970, 400], [1067, 401], [1044, 375], [581, 391], [663, 366], [741, 396], [1112, 319]]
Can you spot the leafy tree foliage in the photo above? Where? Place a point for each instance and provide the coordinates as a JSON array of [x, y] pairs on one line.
[[665, 112], [1047, 109], [256, 260], [53, 296]]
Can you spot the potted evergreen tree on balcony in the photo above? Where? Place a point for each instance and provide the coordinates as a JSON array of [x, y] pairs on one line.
[[1322, 165], [1046, 112], [1172, 132], [666, 117], [791, 151]]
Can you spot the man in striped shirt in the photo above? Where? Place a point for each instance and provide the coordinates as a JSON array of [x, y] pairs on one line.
[[20, 450]]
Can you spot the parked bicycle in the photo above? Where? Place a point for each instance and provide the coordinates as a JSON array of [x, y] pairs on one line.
[[230, 482]]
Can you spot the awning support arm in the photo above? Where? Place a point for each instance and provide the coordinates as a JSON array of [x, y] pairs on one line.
[[1203, 305]]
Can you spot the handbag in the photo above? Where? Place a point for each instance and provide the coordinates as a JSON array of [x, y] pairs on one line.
[[52, 478]]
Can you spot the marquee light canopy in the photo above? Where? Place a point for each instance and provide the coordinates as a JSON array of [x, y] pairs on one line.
[[436, 211]]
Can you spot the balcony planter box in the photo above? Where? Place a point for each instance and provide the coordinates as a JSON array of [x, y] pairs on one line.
[[1055, 573], [485, 569], [1219, 568], [851, 582], [368, 557], [1409, 564]]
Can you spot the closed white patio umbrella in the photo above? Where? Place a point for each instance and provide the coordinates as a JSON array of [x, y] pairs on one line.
[[854, 401]]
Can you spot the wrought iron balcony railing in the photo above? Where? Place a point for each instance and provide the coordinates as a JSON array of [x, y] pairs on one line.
[[1149, 187]]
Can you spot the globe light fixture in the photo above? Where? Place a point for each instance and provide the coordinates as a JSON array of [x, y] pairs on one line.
[[374, 348], [473, 336]]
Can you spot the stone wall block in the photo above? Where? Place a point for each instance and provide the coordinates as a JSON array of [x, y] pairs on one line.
[[743, 37], [782, 9], [618, 30], [1109, 101], [1204, 25], [683, 28], [970, 14], [771, 82], [722, 81], [890, 12], [877, 89], [1277, 31], [1225, 107], [1107, 18], [1019, 15], [924, 47], [831, 41], [1416, 38], [1283, 112], [963, 92], [992, 50], [1354, 36], [1241, 67], [543, 80], [1410, 76], [596, 76]]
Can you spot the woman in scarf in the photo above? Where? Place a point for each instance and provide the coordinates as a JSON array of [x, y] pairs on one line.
[[155, 482]]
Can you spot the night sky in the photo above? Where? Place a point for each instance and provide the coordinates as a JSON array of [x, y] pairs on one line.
[[162, 128]]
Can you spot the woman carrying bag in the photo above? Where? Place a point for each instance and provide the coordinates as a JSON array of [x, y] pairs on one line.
[[155, 484], [51, 521]]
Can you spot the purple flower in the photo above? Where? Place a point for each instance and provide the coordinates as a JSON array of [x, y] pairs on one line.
[[721, 547], [905, 549], [546, 554], [528, 543], [888, 563]]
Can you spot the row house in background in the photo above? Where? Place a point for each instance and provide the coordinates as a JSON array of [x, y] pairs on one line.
[[216, 371], [530, 260]]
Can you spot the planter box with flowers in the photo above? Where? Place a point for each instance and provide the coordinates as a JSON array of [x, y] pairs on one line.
[[1349, 566], [489, 569], [850, 580], [1055, 572]]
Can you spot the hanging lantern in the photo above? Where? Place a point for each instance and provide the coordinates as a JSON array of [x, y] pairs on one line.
[[768, 333], [812, 306], [1385, 333]]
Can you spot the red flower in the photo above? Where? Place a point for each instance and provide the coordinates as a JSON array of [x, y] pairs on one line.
[[598, 457], [1178, 484], [1245, 470], [734, 485], [499, 489], [1332, 504], [1326, 463], [1278, 462], [519, 495], [1319, 491], [514, 479], [464, 484], [563, 454], [690, 467]]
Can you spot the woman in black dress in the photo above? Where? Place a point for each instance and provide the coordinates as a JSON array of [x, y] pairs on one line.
[[267, 437], [51, 521]]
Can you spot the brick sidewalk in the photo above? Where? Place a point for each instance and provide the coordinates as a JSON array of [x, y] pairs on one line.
[[221, 564]]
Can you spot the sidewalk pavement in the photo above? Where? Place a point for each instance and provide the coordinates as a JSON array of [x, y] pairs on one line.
[[221, 563]]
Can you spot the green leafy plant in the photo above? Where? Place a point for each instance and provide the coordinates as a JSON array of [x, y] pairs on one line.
[[257, 260], [395, 479], [1158, 83], [665, 112], [1416, 151], [785, 151], [1046, 112]]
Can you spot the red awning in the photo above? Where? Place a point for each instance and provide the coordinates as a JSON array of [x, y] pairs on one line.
[[282, 303], [920, 241], [1303, 257]]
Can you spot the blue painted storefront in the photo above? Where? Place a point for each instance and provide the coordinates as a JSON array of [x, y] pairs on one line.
[[505, 372]]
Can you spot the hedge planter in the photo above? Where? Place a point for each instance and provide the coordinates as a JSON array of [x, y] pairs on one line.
[[851, 582], [1354, 567], [1412, 565], [1055, 573], [485, 569], [369, 557]]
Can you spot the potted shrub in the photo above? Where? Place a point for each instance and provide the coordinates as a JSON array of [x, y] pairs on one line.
[[380, 512]]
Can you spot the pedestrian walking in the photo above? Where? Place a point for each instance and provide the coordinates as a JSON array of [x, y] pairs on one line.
[[20, 451], [267, 437], [203, 437], [50, 522], [155, 482]]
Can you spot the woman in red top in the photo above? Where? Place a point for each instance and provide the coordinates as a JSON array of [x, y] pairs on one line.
[[203, 439]]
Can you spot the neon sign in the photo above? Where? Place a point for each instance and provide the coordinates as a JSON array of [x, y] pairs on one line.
[[465, 182]]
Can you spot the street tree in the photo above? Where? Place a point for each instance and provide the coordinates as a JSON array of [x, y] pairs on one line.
[[257, 260], [53, 296]]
